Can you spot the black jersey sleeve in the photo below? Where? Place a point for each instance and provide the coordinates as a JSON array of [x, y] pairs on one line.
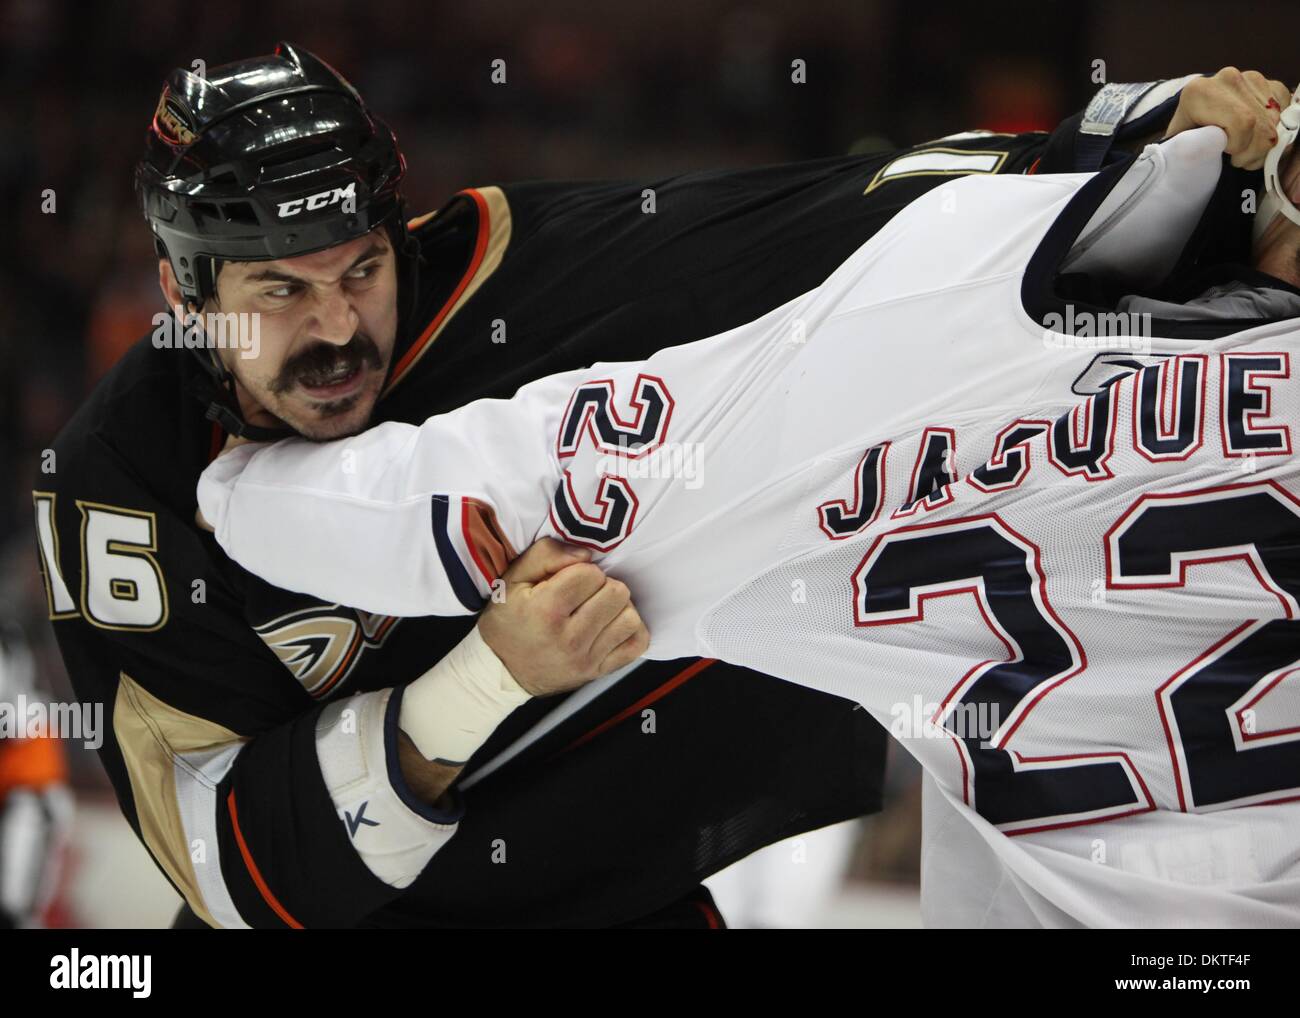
[[263, 807]]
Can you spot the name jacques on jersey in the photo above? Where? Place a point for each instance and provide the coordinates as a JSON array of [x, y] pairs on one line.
[[1167, 424]]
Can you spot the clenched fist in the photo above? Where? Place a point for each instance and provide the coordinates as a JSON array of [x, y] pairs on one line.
[[1245, 104], [562, 621]]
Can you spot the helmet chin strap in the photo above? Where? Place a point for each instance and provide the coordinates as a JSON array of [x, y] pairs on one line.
[[223, 400], [1275, 199]]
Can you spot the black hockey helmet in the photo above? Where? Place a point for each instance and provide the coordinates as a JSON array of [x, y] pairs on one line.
[[261, 159]]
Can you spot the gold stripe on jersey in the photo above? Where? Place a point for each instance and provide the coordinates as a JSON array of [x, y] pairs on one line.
[[155, 739], [494, 229]]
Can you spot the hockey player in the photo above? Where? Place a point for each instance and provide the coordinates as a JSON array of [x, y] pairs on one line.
[[261, 741], [1061, 564]]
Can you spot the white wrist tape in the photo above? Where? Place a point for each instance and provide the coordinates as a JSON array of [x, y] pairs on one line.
[[451, 709]]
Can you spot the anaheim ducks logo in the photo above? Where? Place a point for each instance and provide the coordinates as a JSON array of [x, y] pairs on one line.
[[170, 117], [322, 645]]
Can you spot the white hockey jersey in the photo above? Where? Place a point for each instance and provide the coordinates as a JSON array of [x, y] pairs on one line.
[[1063, 569]]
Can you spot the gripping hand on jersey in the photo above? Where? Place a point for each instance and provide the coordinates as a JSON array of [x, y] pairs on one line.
[[562, 621], [1245, 104]]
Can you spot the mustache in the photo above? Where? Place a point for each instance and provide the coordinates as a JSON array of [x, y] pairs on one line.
[[321, 361]]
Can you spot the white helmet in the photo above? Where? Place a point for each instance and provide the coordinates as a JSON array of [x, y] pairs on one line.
[[1275, 199]]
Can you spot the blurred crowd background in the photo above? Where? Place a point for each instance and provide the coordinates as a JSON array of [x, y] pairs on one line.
[[593, 90]]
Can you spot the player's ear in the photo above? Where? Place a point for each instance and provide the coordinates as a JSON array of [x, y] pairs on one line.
[[167, 283]]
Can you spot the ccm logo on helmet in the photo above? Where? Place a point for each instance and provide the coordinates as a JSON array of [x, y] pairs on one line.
[[320, 200]]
